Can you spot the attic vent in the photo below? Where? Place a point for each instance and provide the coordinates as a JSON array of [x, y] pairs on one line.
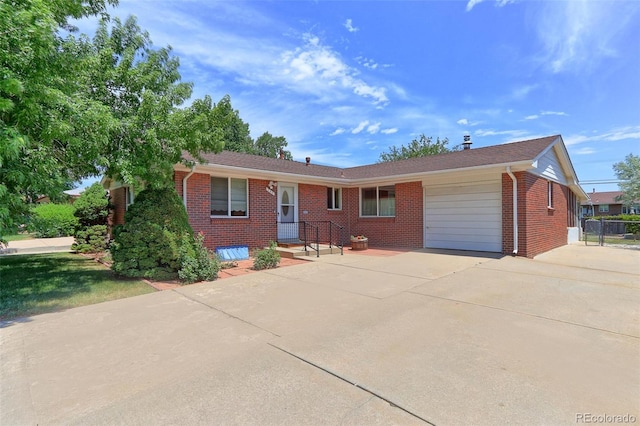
[[467, 142]]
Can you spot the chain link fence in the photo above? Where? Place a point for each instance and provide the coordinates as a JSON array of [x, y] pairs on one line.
[[608, 232]]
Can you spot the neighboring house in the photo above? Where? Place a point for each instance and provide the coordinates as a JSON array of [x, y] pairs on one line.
[[72, 194], [607, 204], [463, 200]]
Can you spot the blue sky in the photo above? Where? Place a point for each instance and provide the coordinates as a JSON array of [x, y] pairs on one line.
[[345, 80]]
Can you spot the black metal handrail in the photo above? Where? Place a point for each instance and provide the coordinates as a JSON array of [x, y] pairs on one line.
[[312, 233], [308, 226], [340, 237]]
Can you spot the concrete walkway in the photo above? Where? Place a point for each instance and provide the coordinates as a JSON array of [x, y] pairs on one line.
[[39, 245], [422, 337]]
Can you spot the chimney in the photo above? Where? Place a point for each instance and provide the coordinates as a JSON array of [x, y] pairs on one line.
[[281, 154], [594, 190], [308, 159], [467, 142]]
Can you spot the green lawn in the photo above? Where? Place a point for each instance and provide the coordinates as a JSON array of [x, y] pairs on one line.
[[33, 284], [591, 238]]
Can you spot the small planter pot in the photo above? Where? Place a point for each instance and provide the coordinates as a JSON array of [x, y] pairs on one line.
[[360, 245]]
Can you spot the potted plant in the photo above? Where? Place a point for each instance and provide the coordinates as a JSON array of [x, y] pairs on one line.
[[359, 242]]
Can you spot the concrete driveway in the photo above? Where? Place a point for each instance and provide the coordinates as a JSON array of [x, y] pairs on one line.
[[420, 337]]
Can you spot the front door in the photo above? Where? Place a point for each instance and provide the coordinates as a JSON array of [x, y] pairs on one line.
[[287, 211]]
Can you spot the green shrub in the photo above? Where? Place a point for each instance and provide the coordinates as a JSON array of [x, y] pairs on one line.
[[91, 240], [92, 210], [53, 220], [197, 263], [148, 244], [631, 228], [266, 258]]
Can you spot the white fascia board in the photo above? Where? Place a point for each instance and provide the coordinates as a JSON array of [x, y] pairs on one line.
[[244, 173], [241, 172]]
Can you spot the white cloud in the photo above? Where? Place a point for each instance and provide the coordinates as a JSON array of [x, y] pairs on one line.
[[389, 131], [584, 151], [472, 3], [317, 66], [521, 92], [349, 26], [532, 117], [614, 135], [578, 34], [337, 131], [463, 122], [360, 127], [373, 128], [509, 133], [554, 113], [499, 3]]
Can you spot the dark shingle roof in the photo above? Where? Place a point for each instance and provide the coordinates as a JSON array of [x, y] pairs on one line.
[[492, 155]]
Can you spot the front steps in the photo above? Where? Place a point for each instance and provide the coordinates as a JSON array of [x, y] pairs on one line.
[[291, 250]]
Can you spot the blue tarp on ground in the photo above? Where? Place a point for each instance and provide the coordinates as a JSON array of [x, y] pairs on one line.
[[233, 253]]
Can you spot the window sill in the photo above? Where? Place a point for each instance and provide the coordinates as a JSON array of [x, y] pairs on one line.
[[229, 217]]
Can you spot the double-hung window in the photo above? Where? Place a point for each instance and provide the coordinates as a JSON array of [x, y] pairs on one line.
[[229, 197], [603, 208], [378, 201], [334, 198], [129, 197]]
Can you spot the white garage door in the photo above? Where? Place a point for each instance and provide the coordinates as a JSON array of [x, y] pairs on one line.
[[464, 216]]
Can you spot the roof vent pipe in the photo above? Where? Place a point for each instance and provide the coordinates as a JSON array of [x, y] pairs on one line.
[[467, 142]]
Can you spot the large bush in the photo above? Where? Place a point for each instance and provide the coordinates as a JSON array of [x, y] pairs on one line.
[[92, 211], [197, 263], [148, 244], [53, 220]]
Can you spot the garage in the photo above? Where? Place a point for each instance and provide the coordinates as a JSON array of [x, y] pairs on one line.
[[464, 216]]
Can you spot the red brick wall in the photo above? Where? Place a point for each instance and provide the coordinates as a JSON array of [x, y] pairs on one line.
[[255, 231], [404, 230], [540, 228], [119, 205]]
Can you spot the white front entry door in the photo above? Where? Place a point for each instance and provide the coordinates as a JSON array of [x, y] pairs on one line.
[[287, 211]]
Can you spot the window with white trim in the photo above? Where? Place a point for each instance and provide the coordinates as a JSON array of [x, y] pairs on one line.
[[334, 198], [378, 201], [229, 197], [549, 194], [129, 197], [603, 208]]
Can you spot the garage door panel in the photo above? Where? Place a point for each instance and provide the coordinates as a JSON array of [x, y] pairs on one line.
[[464, 217], [474, 197]]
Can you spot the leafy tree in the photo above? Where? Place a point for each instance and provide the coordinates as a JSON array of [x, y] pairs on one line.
[[420, 147], [92, 211], [42, 117], [628, 171], [141, 87], [268, 145], [71, 107], [236, 134]]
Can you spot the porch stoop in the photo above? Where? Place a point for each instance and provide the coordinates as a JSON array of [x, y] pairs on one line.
[[292, 251]]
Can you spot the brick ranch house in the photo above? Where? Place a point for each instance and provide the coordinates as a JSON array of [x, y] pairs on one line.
[[464, 200]]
